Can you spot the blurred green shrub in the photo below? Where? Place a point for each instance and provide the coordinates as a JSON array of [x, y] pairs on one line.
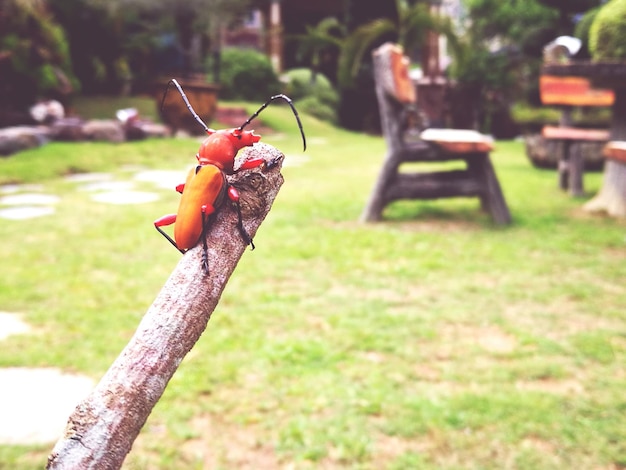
[[246, 74], [582, 28], [607, 34], [37, 61], [315, 95], [532, 119]]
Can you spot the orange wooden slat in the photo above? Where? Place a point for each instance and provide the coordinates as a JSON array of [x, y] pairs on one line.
[[574, 133], [573, 91]]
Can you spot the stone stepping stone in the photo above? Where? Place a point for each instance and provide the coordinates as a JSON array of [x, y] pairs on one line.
[[125, 197], [109, 186], [111, 192], [35, 403], [27, 205], [25, 212], [29, 199], [166, 179], [87, 177], [11, 324], [16, 188]]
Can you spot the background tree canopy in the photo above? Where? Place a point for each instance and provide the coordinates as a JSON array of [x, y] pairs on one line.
[[100, 46]]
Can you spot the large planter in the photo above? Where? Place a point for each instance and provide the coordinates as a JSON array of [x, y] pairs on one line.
[[174, 112]]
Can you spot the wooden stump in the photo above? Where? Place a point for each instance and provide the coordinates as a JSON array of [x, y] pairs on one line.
[[612, 196]]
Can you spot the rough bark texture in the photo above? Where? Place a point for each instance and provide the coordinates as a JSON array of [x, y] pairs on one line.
[[612, 197], [101, 430]]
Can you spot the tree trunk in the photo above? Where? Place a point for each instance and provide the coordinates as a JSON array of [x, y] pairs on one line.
[[612, 196], [101, 430]]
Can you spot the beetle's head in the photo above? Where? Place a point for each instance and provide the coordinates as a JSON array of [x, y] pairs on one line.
[[221, 147]]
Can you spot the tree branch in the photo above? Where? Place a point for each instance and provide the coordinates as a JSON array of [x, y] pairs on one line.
[[101, 430]]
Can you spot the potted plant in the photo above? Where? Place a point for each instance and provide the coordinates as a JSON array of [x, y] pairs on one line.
[[189, 31]]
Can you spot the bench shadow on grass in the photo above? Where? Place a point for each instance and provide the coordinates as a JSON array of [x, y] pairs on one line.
[[447, 215]]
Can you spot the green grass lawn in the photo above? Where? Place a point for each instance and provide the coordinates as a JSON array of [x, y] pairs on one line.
[[432, 340]]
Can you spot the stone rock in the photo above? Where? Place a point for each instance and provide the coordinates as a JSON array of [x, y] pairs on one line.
[[46, 112], [68, 129], [107, 130], [16, 139], [145, 129]]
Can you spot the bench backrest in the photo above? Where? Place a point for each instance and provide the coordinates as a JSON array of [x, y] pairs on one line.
[[394, 90], [572, 91]]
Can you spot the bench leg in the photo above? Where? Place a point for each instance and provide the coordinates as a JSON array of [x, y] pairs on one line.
[[374, 208], [576, 170], [564, 164], [492, 199]]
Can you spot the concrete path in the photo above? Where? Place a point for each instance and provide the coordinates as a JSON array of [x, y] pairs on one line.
[[35, 403], [27, 202]]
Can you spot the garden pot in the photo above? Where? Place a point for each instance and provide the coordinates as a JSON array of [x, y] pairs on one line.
[[174, 112]]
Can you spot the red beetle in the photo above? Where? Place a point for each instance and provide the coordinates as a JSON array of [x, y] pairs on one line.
[[206, 186]]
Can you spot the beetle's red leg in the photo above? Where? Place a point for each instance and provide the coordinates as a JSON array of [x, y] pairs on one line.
[[162, 222], [252, 163], [233, 195]]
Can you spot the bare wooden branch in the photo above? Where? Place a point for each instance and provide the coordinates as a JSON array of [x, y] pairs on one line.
[[101, 430]]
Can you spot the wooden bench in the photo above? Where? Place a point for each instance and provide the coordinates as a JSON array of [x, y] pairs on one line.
[[397, 104], [568, 93]]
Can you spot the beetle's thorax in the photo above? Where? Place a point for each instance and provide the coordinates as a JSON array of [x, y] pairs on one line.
[[221, 147], [217, 149]]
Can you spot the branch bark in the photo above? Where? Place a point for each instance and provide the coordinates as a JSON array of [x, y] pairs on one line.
[[101, 430]]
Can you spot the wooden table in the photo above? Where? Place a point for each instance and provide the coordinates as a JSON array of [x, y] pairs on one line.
[[612, 196]]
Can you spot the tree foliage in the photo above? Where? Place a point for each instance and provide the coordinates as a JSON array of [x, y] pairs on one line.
[[502, 50], [102, 64], [409, 28], [247, 75], [320, 45], [193, 23], [34, 56], [607, 34]]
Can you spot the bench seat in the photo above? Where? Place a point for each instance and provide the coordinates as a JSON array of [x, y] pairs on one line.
[[575, 133], [458, 140]]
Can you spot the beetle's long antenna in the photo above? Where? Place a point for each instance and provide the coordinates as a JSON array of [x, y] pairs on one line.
[[266, 104], [184, 96]]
